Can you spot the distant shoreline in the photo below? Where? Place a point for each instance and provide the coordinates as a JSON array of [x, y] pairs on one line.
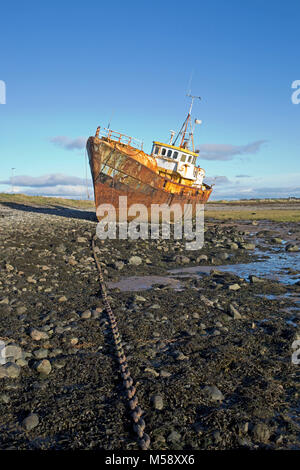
[[278, 210]]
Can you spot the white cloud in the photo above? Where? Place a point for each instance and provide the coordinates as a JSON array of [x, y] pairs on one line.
[[227, 151], [59, 191], [68, 143], [53, 179], [50, 185]]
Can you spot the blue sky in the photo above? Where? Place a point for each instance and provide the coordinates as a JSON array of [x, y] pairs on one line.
[[70, 66]]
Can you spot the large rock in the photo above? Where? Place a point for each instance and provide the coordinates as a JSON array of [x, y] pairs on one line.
[[30, 422], [10, 353], [135, 260]]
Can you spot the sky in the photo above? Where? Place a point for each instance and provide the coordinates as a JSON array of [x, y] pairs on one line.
[[68, 66]]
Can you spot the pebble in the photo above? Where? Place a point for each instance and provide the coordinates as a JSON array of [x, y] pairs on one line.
[[201, 258], [86, 314], [22, 362], [44, 367], [30, 422], [233, 246], [173, 437], [165, 374], [139, 298], [21, 310], [119, 265], [152, 371], [4, 398], [41, 353], [135, 260], [12, 370], [10, 352], [63, 298], [291, 248], [248, 246], [3, 372], [95, 314], [254, 279], [38, 335], [81, 240], [214, 393], [217, 436], [277, 240], [234, 287], [157, 401], [207, 302], [261, 432], [234, 312], [9, 267], [179, 356]]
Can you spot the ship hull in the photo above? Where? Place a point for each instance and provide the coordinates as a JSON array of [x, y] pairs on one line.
[[115, 173]]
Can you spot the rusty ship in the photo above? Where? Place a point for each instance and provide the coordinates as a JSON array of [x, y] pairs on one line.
[[168, 175]]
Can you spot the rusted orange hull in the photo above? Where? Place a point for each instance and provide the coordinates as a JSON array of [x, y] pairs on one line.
[[119, 170]]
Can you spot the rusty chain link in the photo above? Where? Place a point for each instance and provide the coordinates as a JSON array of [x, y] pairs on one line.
[[136, 411]]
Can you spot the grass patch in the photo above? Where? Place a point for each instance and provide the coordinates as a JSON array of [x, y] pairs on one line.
[[276, 215], [252, 202], [45, 201]]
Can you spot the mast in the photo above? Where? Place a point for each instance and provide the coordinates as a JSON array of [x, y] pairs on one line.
[[184, 129]]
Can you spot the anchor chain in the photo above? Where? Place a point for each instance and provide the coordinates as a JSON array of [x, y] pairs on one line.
[[136, 411]]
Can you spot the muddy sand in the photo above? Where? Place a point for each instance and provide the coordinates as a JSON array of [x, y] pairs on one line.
[[208, 335]]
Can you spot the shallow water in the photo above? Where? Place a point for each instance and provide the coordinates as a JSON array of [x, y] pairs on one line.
[[274, 267], [136, 283]]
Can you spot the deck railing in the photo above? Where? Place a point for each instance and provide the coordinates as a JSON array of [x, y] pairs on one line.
[[118, 137]]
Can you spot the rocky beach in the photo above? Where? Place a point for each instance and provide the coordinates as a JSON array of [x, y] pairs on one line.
[[209, 335]]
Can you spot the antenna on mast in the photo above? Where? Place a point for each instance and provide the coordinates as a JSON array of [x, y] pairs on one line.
[[189, 88], [108, 125]]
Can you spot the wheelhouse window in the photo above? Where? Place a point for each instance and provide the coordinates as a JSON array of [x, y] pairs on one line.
[[156, 150], [183, 158], [163, 152], [175, 155], [169, 154], [190, 159]]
